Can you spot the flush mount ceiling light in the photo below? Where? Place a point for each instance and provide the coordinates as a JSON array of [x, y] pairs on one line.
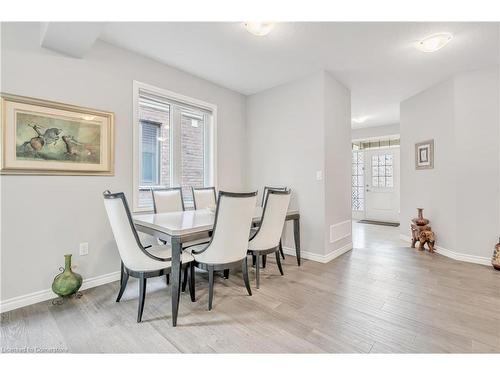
[[259, 28], [360, 119], [434, 42]]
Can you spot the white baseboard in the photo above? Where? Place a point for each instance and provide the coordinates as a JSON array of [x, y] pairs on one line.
[[44, 295], [318, 257], [455, 255]]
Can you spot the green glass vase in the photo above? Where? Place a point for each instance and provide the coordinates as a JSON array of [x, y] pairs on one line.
[[67, 282]]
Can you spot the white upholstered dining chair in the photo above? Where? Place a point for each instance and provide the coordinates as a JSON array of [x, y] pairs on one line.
[[229, 243], [136, 260], [204, 197], [267, 237], [167, 200], [264, 196]]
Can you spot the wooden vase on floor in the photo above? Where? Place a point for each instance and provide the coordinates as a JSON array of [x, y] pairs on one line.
[[495, 260], [420, 220]]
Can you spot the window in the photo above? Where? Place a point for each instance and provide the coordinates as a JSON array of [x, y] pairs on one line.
[[174, 139], [150, 153], [358, 184], [382, 171]]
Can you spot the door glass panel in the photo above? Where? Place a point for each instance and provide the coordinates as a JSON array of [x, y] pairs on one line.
[[388, 159], [358, 190], [382, 171]]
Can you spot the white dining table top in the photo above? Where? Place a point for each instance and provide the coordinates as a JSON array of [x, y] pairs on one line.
[[185, 222]]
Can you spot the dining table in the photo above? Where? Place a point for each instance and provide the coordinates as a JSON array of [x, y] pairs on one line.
[[183, 227]]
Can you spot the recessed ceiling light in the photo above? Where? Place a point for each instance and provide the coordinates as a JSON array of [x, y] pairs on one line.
[[360, 119], [434, 42], [259, 28]]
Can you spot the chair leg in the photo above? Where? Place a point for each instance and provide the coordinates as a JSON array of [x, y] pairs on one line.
[[245, 276], [281, 250], [167, 277], [184, 281], [253, 259], [142, 297], [210, 287], [257, 270], [226, 274], [264, 260], [192, 274], [123, 283], [278, 261]]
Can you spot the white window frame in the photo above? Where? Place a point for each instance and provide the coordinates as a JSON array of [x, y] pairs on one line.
[[169, 95]]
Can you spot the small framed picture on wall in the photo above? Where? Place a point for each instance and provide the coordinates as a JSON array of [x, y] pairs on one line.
[[424, 155]]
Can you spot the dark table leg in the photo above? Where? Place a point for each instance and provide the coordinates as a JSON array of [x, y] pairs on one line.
[[296, 236], [176, 277]]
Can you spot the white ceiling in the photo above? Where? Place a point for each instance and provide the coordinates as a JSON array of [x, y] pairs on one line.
[[377, 61]]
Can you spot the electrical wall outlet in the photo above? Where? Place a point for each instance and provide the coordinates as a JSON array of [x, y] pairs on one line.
[[84, 248], [319, 175]]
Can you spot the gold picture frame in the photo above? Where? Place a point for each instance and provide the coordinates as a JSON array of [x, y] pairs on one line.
[[41, 137], [424, 155]]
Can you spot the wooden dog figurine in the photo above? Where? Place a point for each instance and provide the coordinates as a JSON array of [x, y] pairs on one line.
[[426, 236]]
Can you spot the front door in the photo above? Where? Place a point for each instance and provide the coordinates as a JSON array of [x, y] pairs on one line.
[[382, 184]]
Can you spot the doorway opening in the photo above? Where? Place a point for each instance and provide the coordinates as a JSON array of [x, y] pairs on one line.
[[376, 188], [375, 180]]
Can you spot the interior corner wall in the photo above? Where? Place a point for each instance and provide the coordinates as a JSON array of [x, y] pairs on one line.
[[294, 131], [44, 217], [461, 194], [338, 159], [285, 148]]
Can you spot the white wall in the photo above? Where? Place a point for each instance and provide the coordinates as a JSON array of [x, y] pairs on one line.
[[285, 132], [460, 195], [476, 159], [44, 217], [375, 131], [293, 131], [338, 159]]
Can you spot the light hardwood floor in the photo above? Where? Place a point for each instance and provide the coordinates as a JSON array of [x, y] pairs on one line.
[[381, 297]]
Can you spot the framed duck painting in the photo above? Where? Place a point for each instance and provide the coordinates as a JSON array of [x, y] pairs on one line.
[[50, 138]]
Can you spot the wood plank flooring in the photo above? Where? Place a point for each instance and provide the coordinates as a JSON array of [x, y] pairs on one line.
[[381, 297]]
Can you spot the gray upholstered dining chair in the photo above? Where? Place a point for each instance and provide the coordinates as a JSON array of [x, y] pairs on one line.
[[205, 197], [267, 237], [137, 260], [229, 243]]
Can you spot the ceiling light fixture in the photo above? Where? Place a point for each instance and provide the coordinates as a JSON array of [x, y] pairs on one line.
[[434, 42], [259, 28], [360, 119]]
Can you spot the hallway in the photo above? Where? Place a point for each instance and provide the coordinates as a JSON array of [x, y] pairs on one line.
[[375, 236]]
